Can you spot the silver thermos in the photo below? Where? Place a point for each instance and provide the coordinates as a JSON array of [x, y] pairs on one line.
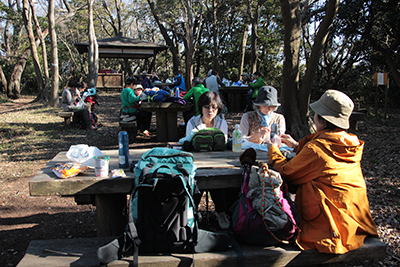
[[274, 130]]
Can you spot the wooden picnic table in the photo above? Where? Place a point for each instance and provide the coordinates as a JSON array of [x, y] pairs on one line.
[[234, 96], [217, 169], [166, 118]]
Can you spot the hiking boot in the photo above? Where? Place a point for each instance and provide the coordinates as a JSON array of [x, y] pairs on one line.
[[223, 220]]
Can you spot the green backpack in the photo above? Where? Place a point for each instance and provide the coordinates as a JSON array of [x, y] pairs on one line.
[[210, 139]]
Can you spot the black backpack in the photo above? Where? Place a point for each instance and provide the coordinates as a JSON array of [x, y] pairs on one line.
[[162, 214]]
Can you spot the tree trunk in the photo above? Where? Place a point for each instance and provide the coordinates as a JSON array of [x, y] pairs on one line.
[[393, 67], [254, 34], [173, 46], [319, 42], [14, 86], [242, 50], [215, 35], [127, 67], [93, 54], [290, 74], [44, 53], [31, 37], [3, 81], [54, 56], [189, 42]]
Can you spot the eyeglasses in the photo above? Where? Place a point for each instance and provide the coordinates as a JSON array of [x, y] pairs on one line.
[[214, 107]]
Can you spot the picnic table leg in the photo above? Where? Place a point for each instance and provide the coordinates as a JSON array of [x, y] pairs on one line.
[[231, 101], [172, 126], [237, 107], [162, 126], [110, 218]]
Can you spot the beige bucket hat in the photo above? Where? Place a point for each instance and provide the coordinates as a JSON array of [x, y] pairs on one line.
[[335, 107]]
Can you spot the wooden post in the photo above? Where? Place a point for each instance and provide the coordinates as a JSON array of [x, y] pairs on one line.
[[381, 79], [386, 100], [376, 100], [162, 124], [109, 212]]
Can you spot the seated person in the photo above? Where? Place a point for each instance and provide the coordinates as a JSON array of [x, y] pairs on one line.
[[131, 99], [70, 96], [245, 79], [256, 125], [331, 196], [255, 85], [213, 82], [210, 106], [155, 78], [145, 81], [85, 101], [179, 82], [193, 96]]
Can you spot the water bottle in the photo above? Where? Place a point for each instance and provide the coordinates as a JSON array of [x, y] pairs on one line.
[[177, 92], [237, 139], [123, 144]]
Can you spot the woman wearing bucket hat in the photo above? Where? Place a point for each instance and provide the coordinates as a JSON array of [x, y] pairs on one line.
[[331, 196], [256, 125]]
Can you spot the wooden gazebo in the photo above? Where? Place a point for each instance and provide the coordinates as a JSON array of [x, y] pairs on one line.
[[120, 47]]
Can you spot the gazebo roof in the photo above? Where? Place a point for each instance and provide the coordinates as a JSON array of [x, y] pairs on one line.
[[123, 47]]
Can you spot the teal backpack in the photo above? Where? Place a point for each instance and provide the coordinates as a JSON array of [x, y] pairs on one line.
[[210, 139], [162, 214]]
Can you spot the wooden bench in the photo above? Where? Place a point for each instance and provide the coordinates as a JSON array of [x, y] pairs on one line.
[[67, 115], [82, 252]]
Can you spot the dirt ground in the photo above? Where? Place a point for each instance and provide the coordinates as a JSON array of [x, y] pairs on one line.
[[31, 134]]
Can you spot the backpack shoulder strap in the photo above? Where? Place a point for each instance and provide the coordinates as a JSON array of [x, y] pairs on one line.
[[133, 234]]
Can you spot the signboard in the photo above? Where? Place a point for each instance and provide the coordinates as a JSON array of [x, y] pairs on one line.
[[380, 78]]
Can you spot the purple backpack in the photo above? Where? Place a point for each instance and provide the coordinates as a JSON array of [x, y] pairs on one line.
[[248, 225], [175, 99]]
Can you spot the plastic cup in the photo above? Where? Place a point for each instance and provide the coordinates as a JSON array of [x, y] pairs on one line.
[[101, 164]]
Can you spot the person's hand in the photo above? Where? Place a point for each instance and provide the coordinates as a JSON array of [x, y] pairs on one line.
[[260, 136], [289, 141]]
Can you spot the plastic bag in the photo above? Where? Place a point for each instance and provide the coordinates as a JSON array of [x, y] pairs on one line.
[[83, 154], [68, 170]]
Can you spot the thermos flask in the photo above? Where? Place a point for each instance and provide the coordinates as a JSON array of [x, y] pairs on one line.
[[274, 130]]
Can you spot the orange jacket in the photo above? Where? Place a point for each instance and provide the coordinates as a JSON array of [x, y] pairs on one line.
[[331, 197]]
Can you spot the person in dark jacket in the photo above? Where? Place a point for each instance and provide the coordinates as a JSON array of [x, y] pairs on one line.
[[70, 96], [179, 82]]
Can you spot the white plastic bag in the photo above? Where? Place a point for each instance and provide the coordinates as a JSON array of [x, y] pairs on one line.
[[83, 154]]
